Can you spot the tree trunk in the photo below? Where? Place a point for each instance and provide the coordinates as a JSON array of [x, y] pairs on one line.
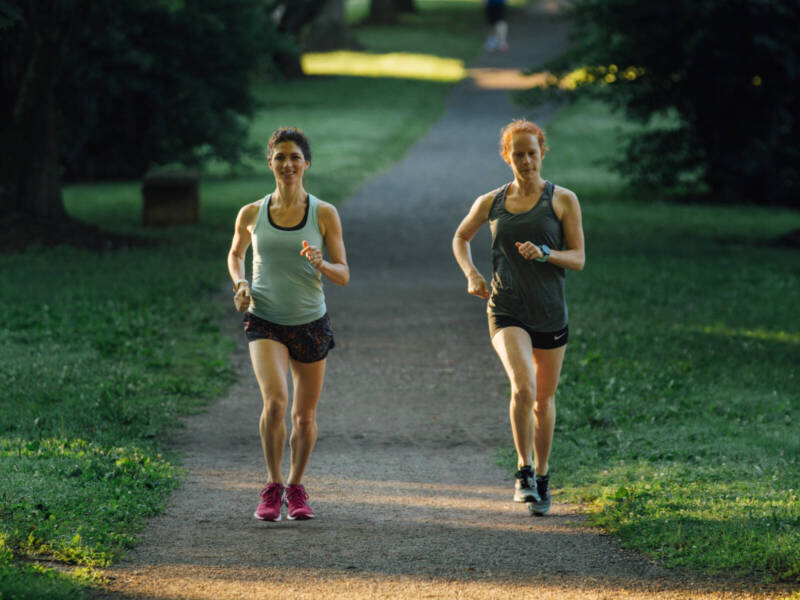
[[382, 12], [29, 176], [405, 6], [294, 17], [329, 30]]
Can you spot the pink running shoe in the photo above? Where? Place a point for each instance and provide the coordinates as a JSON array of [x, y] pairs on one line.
[[271, 501], [296, 497]]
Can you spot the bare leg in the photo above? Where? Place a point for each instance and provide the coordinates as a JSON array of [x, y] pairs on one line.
[[548, 369], [501, 27], [271, 365], [513, 346], [308, 378]]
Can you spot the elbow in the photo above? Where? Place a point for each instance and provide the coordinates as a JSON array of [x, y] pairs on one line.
[[581, 263], [345, 278]]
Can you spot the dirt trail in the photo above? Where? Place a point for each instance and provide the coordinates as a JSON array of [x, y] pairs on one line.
[[403, 482]]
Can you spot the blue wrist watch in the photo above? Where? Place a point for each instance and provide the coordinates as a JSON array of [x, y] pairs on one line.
[[545, 250]]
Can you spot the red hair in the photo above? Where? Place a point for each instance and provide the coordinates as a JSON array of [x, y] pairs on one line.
[[517, 126]]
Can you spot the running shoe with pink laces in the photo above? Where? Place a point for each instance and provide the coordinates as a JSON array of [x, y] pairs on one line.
[[296, 497], [271, 501]]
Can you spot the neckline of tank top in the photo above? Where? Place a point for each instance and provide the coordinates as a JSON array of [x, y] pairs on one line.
[[302, 222], [548, 186]]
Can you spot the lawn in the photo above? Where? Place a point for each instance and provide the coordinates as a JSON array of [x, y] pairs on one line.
[[679, 403], [101, 353]]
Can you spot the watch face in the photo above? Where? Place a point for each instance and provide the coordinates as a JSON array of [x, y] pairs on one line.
[[545, 249]]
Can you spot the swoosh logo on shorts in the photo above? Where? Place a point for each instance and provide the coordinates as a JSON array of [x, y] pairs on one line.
[[558, 337]]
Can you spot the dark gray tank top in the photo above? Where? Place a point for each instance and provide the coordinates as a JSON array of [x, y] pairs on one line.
[[530, 291]]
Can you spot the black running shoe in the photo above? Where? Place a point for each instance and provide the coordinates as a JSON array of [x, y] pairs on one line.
[[542, 506], [524, 487]]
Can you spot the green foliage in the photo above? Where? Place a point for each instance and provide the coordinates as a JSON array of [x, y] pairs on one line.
[[148, 83], [679, 399], [729, 70]]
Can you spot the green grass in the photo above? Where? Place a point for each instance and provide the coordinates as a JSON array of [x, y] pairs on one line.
[[679, 403], [101, 353]]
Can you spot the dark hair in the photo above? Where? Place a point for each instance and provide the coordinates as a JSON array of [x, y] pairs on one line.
[[289, 134]]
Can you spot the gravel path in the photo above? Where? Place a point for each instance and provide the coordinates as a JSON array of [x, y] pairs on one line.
[[408, 500]]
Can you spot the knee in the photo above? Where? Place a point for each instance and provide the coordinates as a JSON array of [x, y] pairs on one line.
[[304, 422], [522, 396], [275, 406], [543, 405]]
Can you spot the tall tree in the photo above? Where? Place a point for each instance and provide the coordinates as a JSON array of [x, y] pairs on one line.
[[329, 30], [33, 34], [382, 12], [137, 81], [726, 73], [292, 18], [407, 6]]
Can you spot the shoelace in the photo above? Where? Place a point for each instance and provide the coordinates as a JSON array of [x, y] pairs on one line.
[[296, 494], [272, 494], [543, 486], [525, 477]]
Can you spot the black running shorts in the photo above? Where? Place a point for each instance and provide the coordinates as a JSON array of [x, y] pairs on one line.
[[545, 340], [306, 343]]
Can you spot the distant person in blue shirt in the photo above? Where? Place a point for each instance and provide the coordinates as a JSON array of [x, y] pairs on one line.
[[498, 26]]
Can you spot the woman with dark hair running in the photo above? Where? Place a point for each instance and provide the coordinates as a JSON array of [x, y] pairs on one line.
[[536, 235], [286, 323]]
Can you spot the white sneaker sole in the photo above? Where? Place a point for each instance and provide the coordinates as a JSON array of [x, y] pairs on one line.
[[267, 520], [299, 518]]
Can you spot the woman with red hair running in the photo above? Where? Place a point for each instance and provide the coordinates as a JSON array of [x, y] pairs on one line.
[[536, 235]]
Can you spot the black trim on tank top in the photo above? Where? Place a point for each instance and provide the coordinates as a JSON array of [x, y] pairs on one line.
[[300, 225]]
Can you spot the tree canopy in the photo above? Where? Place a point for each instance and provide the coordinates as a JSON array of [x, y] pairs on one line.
[[729, 71], [107, 89]]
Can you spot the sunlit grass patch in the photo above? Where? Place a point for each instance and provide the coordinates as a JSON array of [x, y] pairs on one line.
[[74, 501], [404, 65], [686, 514], [791, 337]]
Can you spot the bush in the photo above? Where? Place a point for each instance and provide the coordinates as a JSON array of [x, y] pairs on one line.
[[727, 69]]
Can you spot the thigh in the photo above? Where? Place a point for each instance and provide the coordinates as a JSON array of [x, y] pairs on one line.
[[548, 369], [513, 346], [271, 366], [308, 379]]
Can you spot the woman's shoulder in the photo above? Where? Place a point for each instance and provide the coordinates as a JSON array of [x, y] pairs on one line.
[[486, 200], [563, 199], [564, 194], [249, 212], [325, 209]]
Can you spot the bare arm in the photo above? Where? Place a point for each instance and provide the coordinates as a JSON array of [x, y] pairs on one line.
[[568, 210], [241, 242], [335, 268], [469, 226]]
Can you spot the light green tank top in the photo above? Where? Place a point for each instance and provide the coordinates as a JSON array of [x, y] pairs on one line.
[[286, 289]]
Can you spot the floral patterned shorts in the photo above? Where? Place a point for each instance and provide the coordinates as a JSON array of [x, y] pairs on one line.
[[306, 343]]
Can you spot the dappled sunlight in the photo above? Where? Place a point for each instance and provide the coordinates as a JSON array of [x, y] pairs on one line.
[[740, 332], [403, 65], [352, 582], [506, 79], [429, 67], [408, 487], [449, 504]]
